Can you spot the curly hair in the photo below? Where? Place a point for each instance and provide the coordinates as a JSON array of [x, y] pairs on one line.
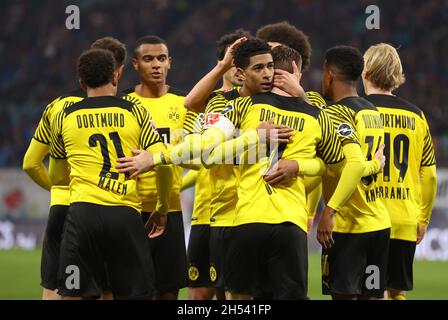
[[248, 49], [96, 67], [227, 39], [348, 60], [113, 45], [288, 35]]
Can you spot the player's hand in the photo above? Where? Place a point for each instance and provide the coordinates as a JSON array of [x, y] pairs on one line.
[[281, 172], [325, 228], [289, 82], [269, 132], [421, 230], [141, 162], [227, 61], [156, 223], [379, 155]]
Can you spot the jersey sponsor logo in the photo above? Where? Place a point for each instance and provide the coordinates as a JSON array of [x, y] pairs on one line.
[[345, 130], [210, 119], [193, 273], [213, 273], [227, 109]]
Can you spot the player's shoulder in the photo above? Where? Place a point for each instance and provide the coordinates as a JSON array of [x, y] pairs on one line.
[[394, 102], [100, 102], [316, 99], [126, 92], [293, 104]]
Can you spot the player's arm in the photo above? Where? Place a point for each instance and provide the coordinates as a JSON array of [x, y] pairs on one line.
[[196, 99], [38, 149], [33, 164], [428, 179], [59, 172], [189, 179], [313, 189], [329, 150]]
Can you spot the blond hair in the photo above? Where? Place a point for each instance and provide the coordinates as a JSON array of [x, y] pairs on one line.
[[382, 67]]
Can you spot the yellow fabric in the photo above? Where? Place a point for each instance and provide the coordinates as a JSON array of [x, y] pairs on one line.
[[189, 179], [92, 134], [428, 178], [169, 116], [316, 99], [313, 135], [313, 188], [357, 123], [202, 198], [33, 164], [60, 195]]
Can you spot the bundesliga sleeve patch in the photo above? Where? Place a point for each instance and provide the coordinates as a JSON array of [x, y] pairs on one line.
[[210, 119], [345, 130]]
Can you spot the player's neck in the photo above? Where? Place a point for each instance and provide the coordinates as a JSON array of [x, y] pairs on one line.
[[344, 90], [226, 85], [370, 89], [280, 92], [151, 90], [106, 90]]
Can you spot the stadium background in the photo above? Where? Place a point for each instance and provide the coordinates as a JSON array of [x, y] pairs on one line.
[[37, 63]]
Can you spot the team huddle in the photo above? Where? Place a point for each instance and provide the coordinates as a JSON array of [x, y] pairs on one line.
[[261, 152]]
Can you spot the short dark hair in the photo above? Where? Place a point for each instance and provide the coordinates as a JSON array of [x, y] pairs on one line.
[[96, 67], [248, 49], [348, 60], [283, 57], [148, 40], [115, 46], [226, 40], [288, 35]]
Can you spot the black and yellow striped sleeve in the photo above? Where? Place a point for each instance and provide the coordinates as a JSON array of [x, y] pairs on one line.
[[193, 122], [329, 147], [236, 110], [343, 121], [43, 130], [216, 104], [57, 146], [428, 156], [316, 99], [148, 135]]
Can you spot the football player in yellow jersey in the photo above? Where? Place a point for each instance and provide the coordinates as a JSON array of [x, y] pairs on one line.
[[410, 163], [283, 33], [202, 275], [103, 228], [60, 197], [166, 105], [355, 236]]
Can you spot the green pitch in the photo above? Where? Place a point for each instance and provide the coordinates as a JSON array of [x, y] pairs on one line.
[[20, 276]]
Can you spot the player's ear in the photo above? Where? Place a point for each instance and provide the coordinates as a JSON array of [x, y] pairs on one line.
[[169, 62], [115, 78], [120, 71], [240, 73], [83, 85], [134, 64]]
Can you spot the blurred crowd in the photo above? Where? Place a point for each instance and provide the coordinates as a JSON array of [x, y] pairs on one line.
[[38, 54]]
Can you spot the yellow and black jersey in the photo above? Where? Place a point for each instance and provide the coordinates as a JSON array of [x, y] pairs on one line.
[[222, 177], [314, 135], [356, 120], [60, 195], [316, 99], [170, 117], [91, 134], [408, 148]]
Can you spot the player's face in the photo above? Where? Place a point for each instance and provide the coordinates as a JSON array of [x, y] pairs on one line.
[[259, 74], [152, 63], [233, 77]]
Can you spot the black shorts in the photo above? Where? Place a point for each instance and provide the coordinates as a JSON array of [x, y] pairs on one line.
[[356, 264], [170, 255], [219, 241], [399, 268], [96, 237], [49, 263], [199, 256], [273, 256]]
